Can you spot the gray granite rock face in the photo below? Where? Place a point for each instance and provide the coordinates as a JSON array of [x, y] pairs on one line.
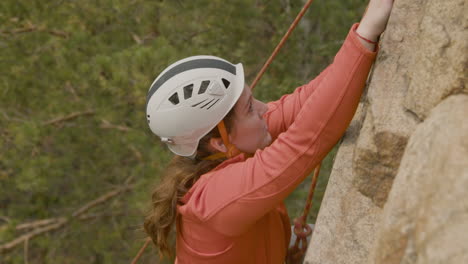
[[422, 65]]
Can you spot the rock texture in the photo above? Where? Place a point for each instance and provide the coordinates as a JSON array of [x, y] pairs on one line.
[[416, 91], [346, 218], [439, 54], [425, 219]]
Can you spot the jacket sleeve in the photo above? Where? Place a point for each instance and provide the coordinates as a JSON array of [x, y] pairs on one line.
[[282, 113], [236, 196]]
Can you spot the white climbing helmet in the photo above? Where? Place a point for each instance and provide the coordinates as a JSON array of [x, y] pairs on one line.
[[190, 97]]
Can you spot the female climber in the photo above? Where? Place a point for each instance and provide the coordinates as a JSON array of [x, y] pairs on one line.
[[237, 158]]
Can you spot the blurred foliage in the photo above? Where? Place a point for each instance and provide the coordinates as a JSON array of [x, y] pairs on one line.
[[60, 57]]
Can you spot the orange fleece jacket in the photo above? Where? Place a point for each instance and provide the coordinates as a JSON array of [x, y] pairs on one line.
[[235, 213]]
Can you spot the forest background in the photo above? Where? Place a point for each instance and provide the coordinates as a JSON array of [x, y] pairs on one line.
[[77, 160]]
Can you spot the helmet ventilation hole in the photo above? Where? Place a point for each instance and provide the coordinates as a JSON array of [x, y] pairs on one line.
[[212, 104], [203, 87], [174, 99], [207, 103], [188, 91], [226, 82], [199, 103]]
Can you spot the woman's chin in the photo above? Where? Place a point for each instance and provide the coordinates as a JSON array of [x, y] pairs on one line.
[[262, 145], [266, 141]]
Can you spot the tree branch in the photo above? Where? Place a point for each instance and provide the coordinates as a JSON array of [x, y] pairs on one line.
[[70, 88], [30, 235], [56, 223], [107, 125], [137, 154], [33, 28], [4, 218], [57, 33], [100, 200], [38, 223], [68, 117], [26, 249], [49, 221]]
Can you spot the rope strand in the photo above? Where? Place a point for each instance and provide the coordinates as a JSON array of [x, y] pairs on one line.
[[301, 229], [281, 43], [142, 249]]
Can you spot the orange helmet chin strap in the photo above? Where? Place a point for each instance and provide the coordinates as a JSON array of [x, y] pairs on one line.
[[231, 149]]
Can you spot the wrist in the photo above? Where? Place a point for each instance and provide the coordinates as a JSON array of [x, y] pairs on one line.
[[373, 42], [366, 33], [367, 43]]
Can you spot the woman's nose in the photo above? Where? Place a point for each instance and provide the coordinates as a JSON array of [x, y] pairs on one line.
[[262, 107]]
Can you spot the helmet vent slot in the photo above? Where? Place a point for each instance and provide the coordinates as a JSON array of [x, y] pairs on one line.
[[212, 104], [226, 82], [207, 103], [204, 85], [199, 103], [188, 91], [174, 99]]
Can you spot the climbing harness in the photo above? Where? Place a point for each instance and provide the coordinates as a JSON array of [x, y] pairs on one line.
[[301, 229]]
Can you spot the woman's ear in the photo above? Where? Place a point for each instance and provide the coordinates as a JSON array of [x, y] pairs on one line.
[[217, 143]]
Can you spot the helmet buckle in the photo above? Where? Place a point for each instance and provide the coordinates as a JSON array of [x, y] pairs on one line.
[[167, 140]]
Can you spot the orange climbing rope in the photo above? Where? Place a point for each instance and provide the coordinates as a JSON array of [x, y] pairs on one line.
[[281, 43], [142, 249], [301, 229]]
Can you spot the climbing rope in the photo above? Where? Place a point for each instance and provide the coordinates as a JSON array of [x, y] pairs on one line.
[[301, 229], [281, 43], [142, 249]]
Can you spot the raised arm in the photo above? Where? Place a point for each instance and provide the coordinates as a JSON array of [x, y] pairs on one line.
[[372, 25]]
